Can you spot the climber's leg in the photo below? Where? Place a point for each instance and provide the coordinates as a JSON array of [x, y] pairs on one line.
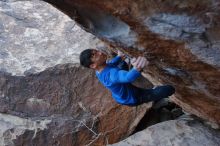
[[156, 94]]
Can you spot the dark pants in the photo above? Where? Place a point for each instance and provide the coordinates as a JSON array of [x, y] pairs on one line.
[[155, 94]]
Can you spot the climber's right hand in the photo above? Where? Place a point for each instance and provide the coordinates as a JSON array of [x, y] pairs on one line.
[[139, 63]]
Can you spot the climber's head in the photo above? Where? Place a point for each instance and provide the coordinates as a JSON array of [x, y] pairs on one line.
[[92, 58]]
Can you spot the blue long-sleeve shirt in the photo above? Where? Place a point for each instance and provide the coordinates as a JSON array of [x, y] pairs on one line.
[[119, 82]]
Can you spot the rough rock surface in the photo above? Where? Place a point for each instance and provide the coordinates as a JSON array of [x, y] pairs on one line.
[[181, 39], [35, 36], [62, 105], [181, 132]]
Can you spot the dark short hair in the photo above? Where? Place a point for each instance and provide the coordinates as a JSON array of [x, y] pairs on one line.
[[85, 58]]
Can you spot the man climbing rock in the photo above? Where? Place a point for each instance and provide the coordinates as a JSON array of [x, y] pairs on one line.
[[119, 81]]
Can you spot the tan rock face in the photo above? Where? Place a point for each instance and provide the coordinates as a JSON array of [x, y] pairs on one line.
[[181, 40], [77, 109]]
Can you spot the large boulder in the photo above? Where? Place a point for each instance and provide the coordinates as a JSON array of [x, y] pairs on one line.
[[181, 132], [181, 39], [35, 36], [63, 105], [43, 103]]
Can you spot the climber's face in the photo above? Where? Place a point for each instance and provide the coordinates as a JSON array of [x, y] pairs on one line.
[[98, 58]]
